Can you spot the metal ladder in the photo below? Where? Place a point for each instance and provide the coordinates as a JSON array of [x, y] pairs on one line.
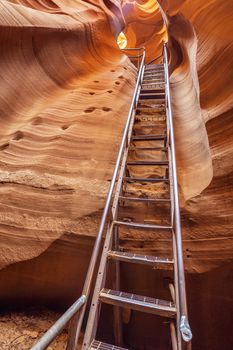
[[146, 177]]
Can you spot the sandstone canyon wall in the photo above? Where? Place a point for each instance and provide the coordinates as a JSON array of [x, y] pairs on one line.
[[65, 89], [65, 93]]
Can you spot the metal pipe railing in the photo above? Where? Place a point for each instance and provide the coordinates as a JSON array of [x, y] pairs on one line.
[[77, 321], [59, 325], [139, 50], [77, 310], [183, 321], [133, 49]]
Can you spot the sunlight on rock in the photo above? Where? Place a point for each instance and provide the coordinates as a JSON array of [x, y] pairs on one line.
[[122, 41]]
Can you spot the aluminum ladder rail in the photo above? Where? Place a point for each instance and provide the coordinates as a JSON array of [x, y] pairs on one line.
[[74, 315], [183, 328], [76, 322], [181, 336]]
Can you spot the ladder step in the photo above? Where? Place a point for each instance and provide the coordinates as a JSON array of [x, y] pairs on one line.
[[152, 97], [134, 148], [150, 114], [146, 200], [139, 125], [138, 302], [154, 75], [149, 163], [154, 66], [150, 78], [146, 179], [156, 71], [157, 108], [99, 345], [148, 137], [148, 81], [149, 118], [152, 91], [139, 226], [138, 258], [153, 70], [152, 88], [156, 85]]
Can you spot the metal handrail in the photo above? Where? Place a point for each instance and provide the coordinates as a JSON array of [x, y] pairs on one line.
[[77, 321], [140, 51], [59, 325], [183, 321], [76, 312], [133, 48]]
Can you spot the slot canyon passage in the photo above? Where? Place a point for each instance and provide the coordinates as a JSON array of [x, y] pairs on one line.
[[66, 89]]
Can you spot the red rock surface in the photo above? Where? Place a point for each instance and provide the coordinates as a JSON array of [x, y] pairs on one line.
[[64, 96]]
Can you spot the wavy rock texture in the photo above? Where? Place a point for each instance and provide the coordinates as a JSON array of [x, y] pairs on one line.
[[193, 152], [65, 92], [208, 218], [145, 26], [201, 87], [60, 120]]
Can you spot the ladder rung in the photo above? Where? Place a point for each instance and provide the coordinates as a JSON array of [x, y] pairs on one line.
[[149, 118], [139, 226], [139, 125], [148, 93], [151, 86], [154, 66], [134, 148], [149, 81], [148, 163], [156, 106], [152, 97], [138, 258], [153, 80], [146, 200], [153, 76], [150, 113], [156, 90], [138, 302], [99, 345], [153, 91], [156, 75], [148, 137], [154, 71], [156, 83], [146, 179], [159, 108]]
